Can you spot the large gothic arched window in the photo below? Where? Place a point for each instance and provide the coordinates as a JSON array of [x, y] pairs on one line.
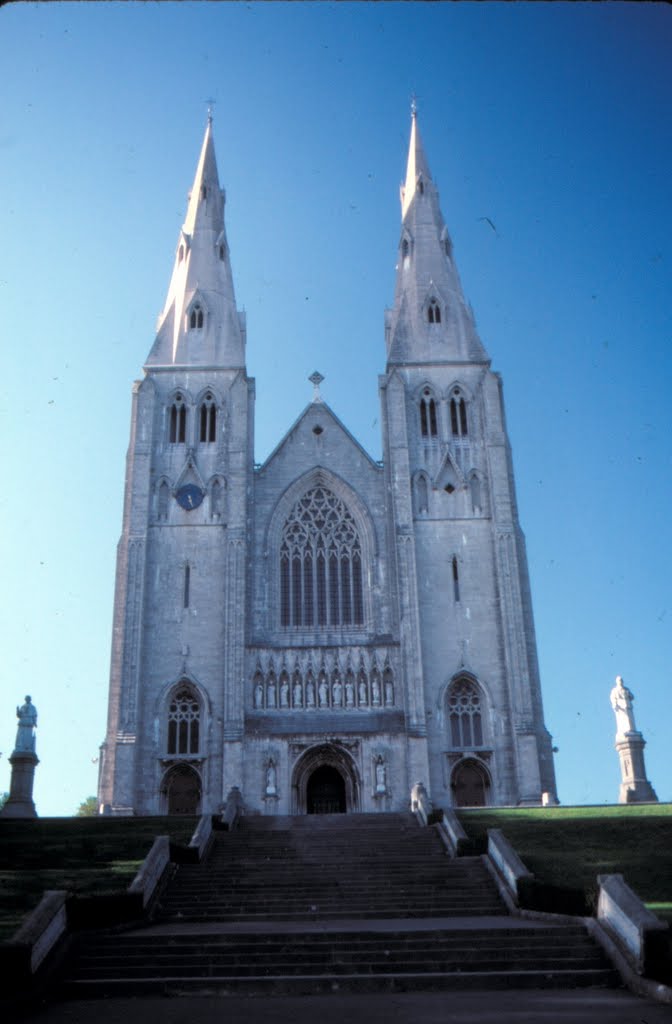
[[184, 720], [320, 564], [465, 714]]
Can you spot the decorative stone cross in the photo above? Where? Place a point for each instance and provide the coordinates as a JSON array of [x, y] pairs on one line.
[[316, 379]]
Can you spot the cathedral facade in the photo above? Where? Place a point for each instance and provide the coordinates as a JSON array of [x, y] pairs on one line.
[[321, 631]]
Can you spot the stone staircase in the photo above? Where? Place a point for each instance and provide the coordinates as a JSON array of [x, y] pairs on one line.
[[330, 866], [364, 902]]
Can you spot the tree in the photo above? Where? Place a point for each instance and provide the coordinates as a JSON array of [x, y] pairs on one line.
[[4, 797], [88, 808]]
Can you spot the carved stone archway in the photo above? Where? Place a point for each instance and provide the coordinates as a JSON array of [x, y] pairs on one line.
[[181, 790], [470, 783], [310, 766]]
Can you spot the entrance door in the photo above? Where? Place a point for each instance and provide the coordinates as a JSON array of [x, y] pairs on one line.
[[184, 791], [325, 793], [469, 784]]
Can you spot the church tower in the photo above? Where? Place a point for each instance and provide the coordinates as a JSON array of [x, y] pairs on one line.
[[467, 633], [177, 652]]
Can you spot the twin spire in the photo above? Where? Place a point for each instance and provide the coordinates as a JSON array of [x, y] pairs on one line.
[[200, 325], [429, 322]]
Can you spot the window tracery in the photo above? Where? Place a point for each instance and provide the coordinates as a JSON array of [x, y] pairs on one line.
[[428, 417], [196, 317], [433, 312], [184, 720], [178, 421], [320, 564], [465, 714], [208, 420], [458, 414]]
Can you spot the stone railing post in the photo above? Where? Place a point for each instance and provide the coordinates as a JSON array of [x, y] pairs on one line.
[[421, 805], [233, 808]]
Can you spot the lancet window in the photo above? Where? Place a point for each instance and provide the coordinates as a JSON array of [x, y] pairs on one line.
[[196, 318], [458, 414], [184, 720], [178, 421], [320, 564], [208, 420], [428, 419], [433, 312], [456, 579], [465, 714]]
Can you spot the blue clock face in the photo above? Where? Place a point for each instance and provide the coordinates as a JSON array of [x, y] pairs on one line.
[[189, 496]]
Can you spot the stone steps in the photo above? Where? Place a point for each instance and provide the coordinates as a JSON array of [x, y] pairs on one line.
[[320, 904]]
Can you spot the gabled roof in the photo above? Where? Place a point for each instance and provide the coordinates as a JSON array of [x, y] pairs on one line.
[[317, 407]]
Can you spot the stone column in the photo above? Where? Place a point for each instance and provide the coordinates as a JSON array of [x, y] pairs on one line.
[[20, 802], [635, 787]]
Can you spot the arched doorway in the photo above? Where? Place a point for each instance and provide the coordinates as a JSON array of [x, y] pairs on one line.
[[470, 784], [325, 791], [325, 781], [182, 790]]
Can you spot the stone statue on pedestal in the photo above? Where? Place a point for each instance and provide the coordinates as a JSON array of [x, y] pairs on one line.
[[635, 787], [25, 733], [23, 761], [621, 701]]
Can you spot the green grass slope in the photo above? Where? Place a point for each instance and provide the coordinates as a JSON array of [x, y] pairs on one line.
[[570, 846], [87, 856]]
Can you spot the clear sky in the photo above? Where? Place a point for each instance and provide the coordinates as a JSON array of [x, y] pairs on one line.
[[550, 121]]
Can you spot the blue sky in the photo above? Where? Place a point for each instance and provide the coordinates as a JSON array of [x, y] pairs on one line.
[[553, 121]]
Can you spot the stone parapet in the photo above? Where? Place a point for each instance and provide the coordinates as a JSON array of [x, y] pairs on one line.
[[40, 931], [507, 863], [152, 871], [636, 929], [452, 833]]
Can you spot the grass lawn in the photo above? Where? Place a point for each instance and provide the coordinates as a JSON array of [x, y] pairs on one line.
[[570, 846], [87, 856]]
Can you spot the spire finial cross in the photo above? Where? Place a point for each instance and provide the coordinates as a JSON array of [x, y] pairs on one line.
[[211, 104], [316, 379], [414, 105]]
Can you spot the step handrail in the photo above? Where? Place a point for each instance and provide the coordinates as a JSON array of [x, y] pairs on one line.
[[233, 809], [421, 804]]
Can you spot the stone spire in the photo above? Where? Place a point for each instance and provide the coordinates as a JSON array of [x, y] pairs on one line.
[[200, 325], [430, 321]]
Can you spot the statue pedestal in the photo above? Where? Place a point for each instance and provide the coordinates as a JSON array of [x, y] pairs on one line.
[[635, 787], [20, 802]]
